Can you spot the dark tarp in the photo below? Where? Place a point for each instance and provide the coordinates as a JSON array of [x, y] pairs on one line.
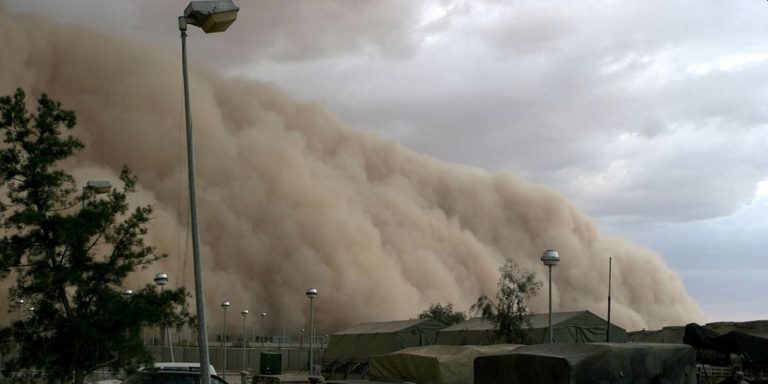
[[569, 327], [434, 364], [752, 347], [593, 363]]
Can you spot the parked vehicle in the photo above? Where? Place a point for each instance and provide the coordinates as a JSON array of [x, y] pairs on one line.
[[172, 373]]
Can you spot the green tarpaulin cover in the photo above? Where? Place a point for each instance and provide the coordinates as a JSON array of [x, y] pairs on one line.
[[435, 364], [594, 363]]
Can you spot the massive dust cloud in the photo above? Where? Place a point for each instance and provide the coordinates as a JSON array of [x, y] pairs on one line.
[[291, 198]]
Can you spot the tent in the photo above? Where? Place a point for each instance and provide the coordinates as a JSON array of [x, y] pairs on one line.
[[474, 331], [752, 347], [569, 327], [434, 364], [593, 363], [716, 349], [348, 351]]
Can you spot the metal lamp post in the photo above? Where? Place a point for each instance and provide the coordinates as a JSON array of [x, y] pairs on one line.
[[245, 314], [550, 258], [161, 279], [19, 305], [263, 321], [225, 306], [608, 325], [211, 16], [311, 293], [127, 293], [96, 187]]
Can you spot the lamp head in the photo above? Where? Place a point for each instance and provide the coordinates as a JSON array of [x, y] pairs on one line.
[[264, 314], [98, 186], [312, 293], [225, 304], [244, 312], [550, 257], [211, 16], [128, 292], [161, 278]]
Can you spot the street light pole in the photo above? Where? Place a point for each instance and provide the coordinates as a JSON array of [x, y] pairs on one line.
[[311, 293], [19, 305], [608, 326], [245, 314], [211, 16], [224, 305], [550, 258], [161, 279], [263, 320]]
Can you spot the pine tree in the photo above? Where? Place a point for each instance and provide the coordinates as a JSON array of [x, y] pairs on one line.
[[68, 253]]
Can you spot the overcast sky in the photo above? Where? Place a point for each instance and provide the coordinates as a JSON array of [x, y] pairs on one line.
[[648, 115]]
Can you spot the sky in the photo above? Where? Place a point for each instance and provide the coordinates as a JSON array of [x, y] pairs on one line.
[[648, 116]]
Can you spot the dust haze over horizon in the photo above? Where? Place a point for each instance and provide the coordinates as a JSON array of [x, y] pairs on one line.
[[289, 197]]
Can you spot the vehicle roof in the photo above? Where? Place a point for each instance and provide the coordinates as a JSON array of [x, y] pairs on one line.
[[290, 377], [153, 372], [180, 366]]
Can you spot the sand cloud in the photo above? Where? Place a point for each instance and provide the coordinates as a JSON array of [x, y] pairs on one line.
[[291, 198]]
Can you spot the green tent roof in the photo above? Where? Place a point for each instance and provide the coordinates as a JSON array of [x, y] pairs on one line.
[[574, 327], [386, 327], [367, 339]]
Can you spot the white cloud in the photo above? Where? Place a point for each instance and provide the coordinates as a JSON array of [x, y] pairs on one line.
[[762, 189]]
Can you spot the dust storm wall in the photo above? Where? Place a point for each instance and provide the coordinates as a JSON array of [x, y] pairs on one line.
[[291, 198]]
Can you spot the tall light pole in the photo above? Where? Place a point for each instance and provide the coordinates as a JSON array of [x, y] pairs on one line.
[[263, 321], [311, 293], [244, 312], [19, 305], [225, 306], [161, 279], [608, 326], [211, 16], [127, 294], [550, 258]]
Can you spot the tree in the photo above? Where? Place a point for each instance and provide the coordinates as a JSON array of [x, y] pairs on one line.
[[509, 312], [68, 253], [443, 313]]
